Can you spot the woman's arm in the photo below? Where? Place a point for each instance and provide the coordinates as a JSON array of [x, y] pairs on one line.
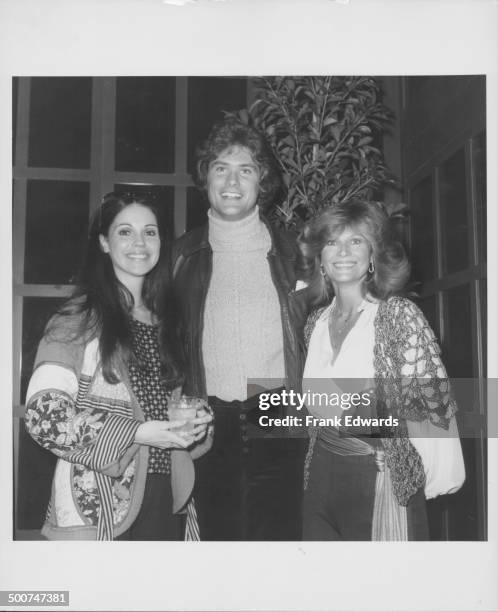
[[72, 430], [56, 422], [64, 419], [433, 430], [425, 386], [61, 419]]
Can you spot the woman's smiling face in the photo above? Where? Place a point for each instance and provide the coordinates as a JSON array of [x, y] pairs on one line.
[[345, 258], [132, 242]]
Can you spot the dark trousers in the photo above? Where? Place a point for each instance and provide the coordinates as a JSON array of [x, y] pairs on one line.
[[338, 502], [155, 520], [247, 487]]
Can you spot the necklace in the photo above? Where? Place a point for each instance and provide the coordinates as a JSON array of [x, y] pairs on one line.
[[340, 324], [342, 319]]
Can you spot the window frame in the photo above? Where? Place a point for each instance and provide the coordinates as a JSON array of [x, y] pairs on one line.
[[102, 177]]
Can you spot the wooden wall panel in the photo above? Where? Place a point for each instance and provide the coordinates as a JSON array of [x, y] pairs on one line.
[[438, 117]]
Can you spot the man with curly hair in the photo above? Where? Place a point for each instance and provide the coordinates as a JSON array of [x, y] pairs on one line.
[[235, 280]]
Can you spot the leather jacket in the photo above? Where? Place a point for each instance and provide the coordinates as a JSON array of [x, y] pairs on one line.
[[192, 267]]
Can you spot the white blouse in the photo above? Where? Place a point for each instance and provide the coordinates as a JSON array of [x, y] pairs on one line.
[[325, 369], [349, 362], [439, 449]]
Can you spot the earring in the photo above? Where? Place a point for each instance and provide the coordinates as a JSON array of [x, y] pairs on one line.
[[103, 244], [322, 271], [371, 267]]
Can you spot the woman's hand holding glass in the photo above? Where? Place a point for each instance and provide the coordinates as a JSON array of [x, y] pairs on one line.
[[202, 423], [162, 434], [169, 434], [194, 414], [189, 422]]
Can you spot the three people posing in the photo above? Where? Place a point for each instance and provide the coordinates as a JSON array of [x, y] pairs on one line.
[[131, 338]]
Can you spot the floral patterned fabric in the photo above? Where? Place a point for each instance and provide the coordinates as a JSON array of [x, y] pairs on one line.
[[58, 427], [87, 494]]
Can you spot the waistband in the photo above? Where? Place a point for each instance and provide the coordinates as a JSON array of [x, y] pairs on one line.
[[332, 440], [243, 406]]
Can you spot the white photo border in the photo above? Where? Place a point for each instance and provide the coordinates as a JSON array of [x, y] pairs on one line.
[[249, 37]]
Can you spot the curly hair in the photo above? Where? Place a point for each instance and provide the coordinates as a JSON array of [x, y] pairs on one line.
[[104, 304], [391, 265], [232, 133]]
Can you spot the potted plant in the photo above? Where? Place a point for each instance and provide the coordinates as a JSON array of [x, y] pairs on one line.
[[325, 133]]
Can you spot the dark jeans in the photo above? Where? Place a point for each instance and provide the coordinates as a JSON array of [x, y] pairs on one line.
[[155, 520], [248, 488], [339, 499]]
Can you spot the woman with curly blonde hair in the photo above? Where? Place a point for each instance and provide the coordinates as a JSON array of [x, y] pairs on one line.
[[367, 482]]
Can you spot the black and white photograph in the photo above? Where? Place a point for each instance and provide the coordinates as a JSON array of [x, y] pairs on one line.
[[252, 322]]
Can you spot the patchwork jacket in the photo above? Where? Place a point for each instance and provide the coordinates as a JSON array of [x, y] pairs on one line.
[[90, 425]]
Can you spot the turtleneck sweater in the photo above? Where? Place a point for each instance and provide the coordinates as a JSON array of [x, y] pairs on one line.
[[242, 336]]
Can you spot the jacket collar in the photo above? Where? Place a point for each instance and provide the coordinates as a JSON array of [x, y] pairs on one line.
[[196, 240]]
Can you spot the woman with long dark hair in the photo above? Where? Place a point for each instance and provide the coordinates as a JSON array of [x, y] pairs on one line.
[[106, 370], [384, 439]]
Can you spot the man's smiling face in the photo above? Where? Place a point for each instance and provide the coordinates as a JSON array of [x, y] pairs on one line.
[[233, 184]]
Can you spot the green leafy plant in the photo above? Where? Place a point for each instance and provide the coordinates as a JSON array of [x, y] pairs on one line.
[[324, 132]]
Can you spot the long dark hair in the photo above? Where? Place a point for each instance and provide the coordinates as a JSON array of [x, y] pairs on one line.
[[392, 268], [103, 304]]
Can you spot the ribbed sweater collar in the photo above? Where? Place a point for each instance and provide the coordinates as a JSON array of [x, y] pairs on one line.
[[248, 234]]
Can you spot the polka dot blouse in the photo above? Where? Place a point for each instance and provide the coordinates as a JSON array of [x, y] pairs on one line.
[[145, 378]]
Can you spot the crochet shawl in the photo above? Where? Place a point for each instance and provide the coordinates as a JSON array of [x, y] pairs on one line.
[[411, 383]]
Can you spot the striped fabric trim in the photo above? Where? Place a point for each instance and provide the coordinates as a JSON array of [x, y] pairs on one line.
[[48, 511], [192, 533], [82, 457], [117, 435], [83, 386], [105, 522], [100, 403]]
